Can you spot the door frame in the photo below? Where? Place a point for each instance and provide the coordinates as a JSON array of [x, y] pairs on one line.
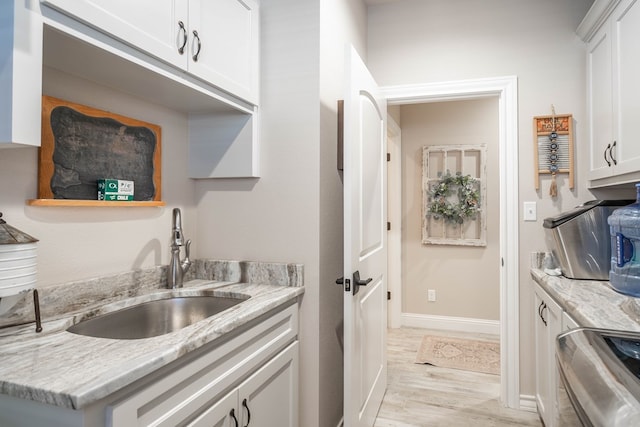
[[506, 89], [394, 217]]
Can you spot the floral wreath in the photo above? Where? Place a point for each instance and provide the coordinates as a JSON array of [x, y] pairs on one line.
[[468, 204]]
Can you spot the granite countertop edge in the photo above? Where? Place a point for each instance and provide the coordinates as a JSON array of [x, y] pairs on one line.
[[72, 371], [591, 303]]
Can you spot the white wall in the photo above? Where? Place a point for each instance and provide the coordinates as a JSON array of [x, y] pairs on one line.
[[415, 41], [466, 278], [78, 243]]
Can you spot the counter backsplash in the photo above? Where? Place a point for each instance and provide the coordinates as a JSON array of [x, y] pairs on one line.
[[65, 298]]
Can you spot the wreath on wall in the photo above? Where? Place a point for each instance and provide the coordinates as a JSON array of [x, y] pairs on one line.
[[467, 205]]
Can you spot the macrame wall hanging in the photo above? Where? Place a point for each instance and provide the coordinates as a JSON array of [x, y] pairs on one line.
[[553, 148]]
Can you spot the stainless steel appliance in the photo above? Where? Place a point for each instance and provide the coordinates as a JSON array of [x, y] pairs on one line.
[[580, 240], [600, 372]]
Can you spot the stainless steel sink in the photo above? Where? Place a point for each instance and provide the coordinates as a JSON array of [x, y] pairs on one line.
[[153, 318]]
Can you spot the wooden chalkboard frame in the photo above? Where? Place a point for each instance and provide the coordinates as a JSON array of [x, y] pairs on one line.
[[47, 148]]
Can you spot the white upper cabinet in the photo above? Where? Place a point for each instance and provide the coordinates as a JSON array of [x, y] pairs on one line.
[[196, 56], [20, 75], [149, 25], [611, 30], [600, 103], [626, 81], [224, 45], [216, 41]]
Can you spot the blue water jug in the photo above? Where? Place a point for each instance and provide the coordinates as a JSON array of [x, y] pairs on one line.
[[624, 226]]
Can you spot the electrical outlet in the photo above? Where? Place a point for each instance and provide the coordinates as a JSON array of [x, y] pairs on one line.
[[431, 295]]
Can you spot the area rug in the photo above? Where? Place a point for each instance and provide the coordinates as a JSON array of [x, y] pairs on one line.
[[466, 354]]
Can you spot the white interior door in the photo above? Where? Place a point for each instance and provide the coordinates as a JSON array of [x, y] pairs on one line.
[[365, 245]]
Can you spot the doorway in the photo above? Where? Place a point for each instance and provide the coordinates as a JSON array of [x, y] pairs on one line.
[[505, 89]]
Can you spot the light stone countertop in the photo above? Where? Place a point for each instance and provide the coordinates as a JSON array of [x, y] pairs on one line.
[[72, 371], [592, 303]]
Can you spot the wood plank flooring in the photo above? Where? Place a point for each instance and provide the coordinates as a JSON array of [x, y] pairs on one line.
[[424, 395]]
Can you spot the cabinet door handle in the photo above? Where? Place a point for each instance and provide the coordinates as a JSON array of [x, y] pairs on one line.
[[196, 40], [613, 159], [244, 403], [605, 154], [540, 309], [232, 414], [542, 315], [182, 30]]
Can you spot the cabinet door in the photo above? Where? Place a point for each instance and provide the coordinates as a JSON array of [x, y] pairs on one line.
[[220, 414], [542, 361], [151, 26], [600, 103], [227, 45], [270, 396], [626, 71], [547, 326], [20, 74]]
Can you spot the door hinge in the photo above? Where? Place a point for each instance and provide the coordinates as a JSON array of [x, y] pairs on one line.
[[388, 226], [388, 157], [388, 295]]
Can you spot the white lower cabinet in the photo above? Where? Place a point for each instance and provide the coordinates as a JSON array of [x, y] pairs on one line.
[[267, 398], [223, 413], [244, 378], [547, 326], [254, 374]]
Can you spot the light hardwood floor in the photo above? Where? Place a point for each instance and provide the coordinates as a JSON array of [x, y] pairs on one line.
[[424, 395]]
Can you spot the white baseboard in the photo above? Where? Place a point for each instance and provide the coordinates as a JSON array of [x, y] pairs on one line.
[[528, 403], [450, 323]]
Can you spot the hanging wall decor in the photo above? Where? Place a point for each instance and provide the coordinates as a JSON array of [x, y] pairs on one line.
[[553, 148], [453, 195]]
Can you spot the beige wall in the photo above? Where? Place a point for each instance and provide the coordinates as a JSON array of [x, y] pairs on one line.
[[465, 278], [415, 41]]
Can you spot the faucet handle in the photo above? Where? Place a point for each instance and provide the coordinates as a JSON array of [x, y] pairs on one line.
[[187, 249], [186, 262]]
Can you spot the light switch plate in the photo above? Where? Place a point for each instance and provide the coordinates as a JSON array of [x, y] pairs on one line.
[[530, 211]]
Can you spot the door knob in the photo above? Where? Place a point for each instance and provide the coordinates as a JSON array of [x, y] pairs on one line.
[[357, 282]]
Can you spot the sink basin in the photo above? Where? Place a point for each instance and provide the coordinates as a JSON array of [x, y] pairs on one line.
[[153, 318]]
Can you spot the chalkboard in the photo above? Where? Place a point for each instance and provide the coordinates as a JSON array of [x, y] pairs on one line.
[[81, 145]]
